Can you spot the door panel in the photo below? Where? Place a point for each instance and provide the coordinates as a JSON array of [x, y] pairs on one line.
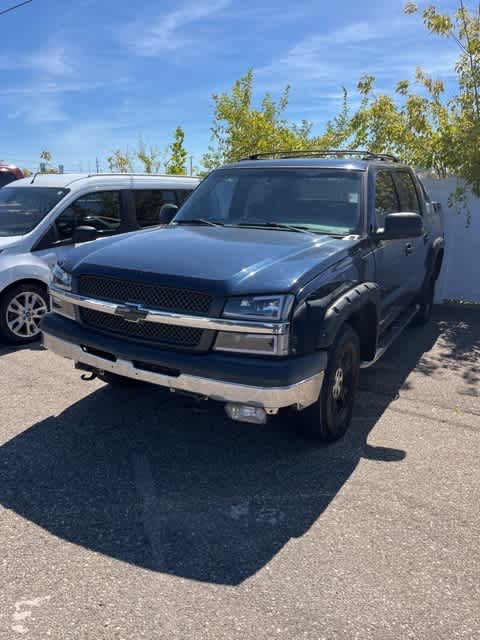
[[418, 247], [390, 257]]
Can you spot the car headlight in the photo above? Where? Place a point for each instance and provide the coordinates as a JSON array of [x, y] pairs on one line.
[[62, 278], [275, 307]]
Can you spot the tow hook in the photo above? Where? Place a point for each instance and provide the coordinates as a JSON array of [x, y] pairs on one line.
[[88, 376]]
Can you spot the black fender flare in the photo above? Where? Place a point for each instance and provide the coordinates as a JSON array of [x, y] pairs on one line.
[[438, 245], [347, 304], [318, 320]]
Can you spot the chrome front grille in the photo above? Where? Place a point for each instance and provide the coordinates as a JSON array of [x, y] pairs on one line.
[[150, 331], [149, 295]]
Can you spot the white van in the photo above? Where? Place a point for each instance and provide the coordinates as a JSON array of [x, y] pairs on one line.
[[42, 218]]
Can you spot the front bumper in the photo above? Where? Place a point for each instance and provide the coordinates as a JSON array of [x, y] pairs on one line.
[[301, 394]]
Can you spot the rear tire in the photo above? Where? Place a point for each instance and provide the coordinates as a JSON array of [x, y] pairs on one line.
[[422, 317], [21, 309], [329, 418]]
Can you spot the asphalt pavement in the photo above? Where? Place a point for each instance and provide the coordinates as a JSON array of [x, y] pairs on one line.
[[133, 513]]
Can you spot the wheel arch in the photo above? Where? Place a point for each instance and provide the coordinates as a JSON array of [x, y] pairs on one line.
[[16, 283], [358, 306]]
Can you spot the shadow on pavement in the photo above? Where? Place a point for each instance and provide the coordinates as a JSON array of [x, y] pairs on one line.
[[142, 477], [10, 348]]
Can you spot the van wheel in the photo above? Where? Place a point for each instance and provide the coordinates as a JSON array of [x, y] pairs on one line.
[[329, 418], [21, 309], [426, 304]]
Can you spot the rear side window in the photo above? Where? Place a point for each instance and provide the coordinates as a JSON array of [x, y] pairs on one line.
[[100, 210], [386, 200], [149, 202], [407, 192]]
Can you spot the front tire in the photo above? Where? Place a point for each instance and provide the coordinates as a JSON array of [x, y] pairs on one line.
[[329, 418], [21, 309]]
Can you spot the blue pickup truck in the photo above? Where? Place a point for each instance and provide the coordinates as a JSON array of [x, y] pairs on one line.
[[278, 280]]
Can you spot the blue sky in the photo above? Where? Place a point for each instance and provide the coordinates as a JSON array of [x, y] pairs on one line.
[[83, 77]]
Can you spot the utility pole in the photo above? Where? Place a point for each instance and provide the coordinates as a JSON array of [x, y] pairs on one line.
[[97, 164], [191, 165]]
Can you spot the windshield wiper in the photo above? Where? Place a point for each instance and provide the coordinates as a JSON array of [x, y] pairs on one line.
[[278, 225], [204, 221]]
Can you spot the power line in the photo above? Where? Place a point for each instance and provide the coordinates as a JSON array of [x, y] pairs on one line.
[[15, 7]]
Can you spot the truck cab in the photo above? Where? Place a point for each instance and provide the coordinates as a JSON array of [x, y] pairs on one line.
[[278, 280]]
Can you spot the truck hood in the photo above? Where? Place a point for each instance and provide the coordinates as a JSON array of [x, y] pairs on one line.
[[223, 260]]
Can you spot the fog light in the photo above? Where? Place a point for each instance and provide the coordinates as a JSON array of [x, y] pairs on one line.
[[246, 413]]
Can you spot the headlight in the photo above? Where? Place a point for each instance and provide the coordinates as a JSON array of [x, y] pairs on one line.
[[62, 278], [275, 307]]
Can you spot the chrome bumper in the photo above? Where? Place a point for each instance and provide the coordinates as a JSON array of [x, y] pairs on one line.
[[301, 394]]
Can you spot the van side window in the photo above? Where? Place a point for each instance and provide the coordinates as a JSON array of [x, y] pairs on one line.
[[100, 210], [407, 192], [386, 199], [182, 195], [148, 203]]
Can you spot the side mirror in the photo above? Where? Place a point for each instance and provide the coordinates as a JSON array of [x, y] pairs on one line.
[[84, 234], [401, 225], [167, 213]]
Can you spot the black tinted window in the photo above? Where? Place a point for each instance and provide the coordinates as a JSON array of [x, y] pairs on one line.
[[149, 202], [407, 192], [182, 195], [100, 210], [22, 208], [386, 200], [6, 177], [325, 201]]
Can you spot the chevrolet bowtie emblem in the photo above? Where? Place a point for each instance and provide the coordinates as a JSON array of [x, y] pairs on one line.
[[131, 312]]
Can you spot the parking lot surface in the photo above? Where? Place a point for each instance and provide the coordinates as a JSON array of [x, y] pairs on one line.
[[134, 513]]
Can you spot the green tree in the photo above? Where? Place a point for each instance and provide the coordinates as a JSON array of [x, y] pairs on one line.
[[420, 123], [239, 128], [149, 157], [120, 161], [46, 159], [177, 163]]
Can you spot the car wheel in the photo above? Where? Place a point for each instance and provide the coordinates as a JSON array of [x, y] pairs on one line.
[[426, 305], [329, 418], [21, 309]]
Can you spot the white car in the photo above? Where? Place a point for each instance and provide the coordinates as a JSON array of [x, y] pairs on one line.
[[43, 218]]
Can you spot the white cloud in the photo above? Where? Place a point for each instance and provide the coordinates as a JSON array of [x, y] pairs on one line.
[[326, 61], [166, 33]]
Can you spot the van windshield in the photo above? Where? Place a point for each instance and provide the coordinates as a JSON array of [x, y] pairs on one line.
[[320, 200], [22, 208]]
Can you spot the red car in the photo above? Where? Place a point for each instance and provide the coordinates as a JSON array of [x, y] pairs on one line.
[[9, 173]]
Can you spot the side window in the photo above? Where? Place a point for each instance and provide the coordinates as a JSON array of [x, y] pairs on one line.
[[149, 202], [183, 194], [100, 210], [386, 200], [407, 192]]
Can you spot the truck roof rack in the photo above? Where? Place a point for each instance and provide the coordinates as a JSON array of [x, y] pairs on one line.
[[302, 153]]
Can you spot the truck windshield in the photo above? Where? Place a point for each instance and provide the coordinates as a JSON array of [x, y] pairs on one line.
[[320, 200], [22, 208]]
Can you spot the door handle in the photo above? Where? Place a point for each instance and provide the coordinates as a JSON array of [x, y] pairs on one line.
[[408, 248]]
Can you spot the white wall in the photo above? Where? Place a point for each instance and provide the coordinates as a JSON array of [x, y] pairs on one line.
[[460, 276]]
